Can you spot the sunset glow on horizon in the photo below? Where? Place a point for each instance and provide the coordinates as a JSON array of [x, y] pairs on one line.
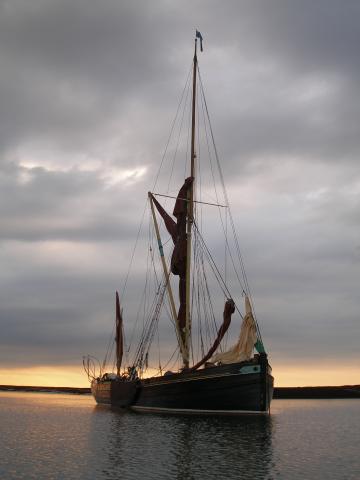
[[74, 376]]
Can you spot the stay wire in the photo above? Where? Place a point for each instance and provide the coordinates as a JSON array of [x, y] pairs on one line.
[[224, 228], [241, 261], [172, 128], [215, 270]]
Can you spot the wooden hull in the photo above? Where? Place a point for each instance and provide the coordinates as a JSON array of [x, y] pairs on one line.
[[228, 389], [117, 393]]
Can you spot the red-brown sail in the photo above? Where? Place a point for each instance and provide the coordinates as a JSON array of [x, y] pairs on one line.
[[229, 309], [170, 224], [119, 335], [178, 234]]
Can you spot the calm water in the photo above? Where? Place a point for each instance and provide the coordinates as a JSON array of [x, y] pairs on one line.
[[48, 436]]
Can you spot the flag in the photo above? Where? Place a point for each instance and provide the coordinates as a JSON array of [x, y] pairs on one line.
[[198, 35]]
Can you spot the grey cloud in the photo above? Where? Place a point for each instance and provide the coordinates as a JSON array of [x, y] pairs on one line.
[[59, 205]]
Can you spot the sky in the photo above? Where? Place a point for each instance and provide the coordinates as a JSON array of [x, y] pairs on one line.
[[88, 91]]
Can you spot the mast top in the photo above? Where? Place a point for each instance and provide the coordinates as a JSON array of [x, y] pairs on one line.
[[198, 36]]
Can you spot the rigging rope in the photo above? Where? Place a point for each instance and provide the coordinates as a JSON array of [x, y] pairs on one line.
[[241, 261], [215, 269], [172, 128]]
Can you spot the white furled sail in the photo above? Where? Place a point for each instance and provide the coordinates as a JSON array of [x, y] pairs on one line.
[[243, 349]]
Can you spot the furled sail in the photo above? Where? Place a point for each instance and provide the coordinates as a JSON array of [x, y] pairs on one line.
[[119, 335], [177, 230], [229, 309], [243, 349]]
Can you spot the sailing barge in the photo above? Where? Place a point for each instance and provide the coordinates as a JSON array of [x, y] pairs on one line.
[[233, 381]]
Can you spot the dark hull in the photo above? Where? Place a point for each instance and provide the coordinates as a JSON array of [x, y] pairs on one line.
[[228, 389]]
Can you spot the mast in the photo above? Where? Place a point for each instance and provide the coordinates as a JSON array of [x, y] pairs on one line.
[[190, 207]]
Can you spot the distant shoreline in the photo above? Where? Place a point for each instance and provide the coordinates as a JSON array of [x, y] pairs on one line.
[[344, 391], [27, 388]]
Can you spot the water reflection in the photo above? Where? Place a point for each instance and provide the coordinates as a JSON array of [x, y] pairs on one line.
[[222, 447], [181, 447], [60, 437]]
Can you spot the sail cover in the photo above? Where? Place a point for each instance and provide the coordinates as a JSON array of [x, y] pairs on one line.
[[243, 349], [177, 230]]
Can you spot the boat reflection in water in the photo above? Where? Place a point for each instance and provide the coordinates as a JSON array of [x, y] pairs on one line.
[[183, 447]]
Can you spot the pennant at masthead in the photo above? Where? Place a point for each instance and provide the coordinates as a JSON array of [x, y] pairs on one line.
[[198, 35]]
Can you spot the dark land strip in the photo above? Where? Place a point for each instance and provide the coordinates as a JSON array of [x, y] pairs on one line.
[[345, 391]]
